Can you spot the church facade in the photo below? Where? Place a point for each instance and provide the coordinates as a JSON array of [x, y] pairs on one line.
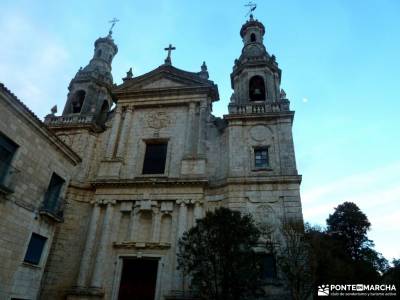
[[140, 174]]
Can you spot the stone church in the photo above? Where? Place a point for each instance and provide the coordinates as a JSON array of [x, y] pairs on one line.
[[93, 202]]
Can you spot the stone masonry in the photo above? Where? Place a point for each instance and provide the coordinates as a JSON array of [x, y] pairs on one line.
[[116, 211]]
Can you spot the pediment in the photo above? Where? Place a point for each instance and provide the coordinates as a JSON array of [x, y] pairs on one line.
[[162, 83], [164, 77]]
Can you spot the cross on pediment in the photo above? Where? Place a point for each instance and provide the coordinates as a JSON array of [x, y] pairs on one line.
[[169, 49]]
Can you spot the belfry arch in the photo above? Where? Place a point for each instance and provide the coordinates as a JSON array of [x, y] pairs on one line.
[[256, 88]]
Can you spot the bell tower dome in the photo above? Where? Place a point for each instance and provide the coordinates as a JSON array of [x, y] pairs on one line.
[[90, 98], [256, 76], [90, 89]]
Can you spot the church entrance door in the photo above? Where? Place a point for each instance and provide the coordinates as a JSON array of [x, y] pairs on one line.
[[138, 279]]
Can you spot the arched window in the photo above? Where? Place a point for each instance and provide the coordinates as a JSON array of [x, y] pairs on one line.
[[252, 37], [103, 113], [77, 101], [256, 88], [98, 53]]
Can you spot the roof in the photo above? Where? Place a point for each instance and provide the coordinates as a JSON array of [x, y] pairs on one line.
[[186, 80], [54, 140]]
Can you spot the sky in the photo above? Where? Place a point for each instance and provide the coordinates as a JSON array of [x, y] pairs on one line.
[[339, 59]]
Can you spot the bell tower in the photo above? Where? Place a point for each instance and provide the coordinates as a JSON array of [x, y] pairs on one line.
[[90, 89], [256, 77], [90, 98]]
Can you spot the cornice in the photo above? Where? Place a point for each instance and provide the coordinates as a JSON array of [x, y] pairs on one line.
[[37, 124]]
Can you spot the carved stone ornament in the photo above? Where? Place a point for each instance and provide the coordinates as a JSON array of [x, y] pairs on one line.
[[158, 120]]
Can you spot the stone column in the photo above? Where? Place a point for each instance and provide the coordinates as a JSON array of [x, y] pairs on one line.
[[125, 132], [114, 133], [202, 129], [182, 218], [88, 250], [276, 82], [189, 145], [133, 223], [99, 265], [182, 224], [155, 236], [197, 212]]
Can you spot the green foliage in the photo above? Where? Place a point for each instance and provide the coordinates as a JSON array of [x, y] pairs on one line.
[[217, 254], [343, 253], [392, 274], [350, 225]]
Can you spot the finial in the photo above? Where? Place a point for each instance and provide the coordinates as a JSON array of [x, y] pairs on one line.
[[113, 21], [129, 75], [252, 7], [283, 94], [54, 110], [204, 73], [204, 66], [167, 61]]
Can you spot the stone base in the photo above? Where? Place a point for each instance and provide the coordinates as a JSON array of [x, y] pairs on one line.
[[85, 293]]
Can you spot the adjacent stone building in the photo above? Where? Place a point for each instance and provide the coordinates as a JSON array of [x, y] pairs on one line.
[[35, 170], [143, 171]]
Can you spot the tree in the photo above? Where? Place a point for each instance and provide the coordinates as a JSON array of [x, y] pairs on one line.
[[343, 253], [350, 225], [295, 260], [217, 254], [392, 274]]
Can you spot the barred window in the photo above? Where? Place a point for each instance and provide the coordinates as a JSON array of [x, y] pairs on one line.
[[261, 158]]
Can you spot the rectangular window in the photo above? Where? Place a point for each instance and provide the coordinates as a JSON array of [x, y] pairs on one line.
[[268, 267], [154, 158], [7, 151], [52, 201], [35, 249], [261, 158]]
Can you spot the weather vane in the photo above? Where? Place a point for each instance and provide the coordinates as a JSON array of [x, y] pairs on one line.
[[252, 7], [113, 22]]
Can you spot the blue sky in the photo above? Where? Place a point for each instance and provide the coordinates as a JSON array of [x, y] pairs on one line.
[[340, 63]]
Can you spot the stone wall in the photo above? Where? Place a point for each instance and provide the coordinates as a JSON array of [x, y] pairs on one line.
[[39, 154]]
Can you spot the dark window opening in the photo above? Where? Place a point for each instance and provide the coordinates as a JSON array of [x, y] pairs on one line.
[[52, 202], [261, 158], [268, 269], [155, 157], [252, 37], [103, 113], [35, 249], [257, 88], [7, 151], [110, 58], [98, 53], [77, 101]]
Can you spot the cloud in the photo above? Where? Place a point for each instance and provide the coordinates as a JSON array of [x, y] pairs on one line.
[[376, 192], [32, 61], [305, 100]]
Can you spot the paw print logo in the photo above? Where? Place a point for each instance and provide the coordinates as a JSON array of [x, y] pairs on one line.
[[323, 290]]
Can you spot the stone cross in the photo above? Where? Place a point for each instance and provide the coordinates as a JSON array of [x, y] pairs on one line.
[[113, 21], [252, 7], [169, 49]]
